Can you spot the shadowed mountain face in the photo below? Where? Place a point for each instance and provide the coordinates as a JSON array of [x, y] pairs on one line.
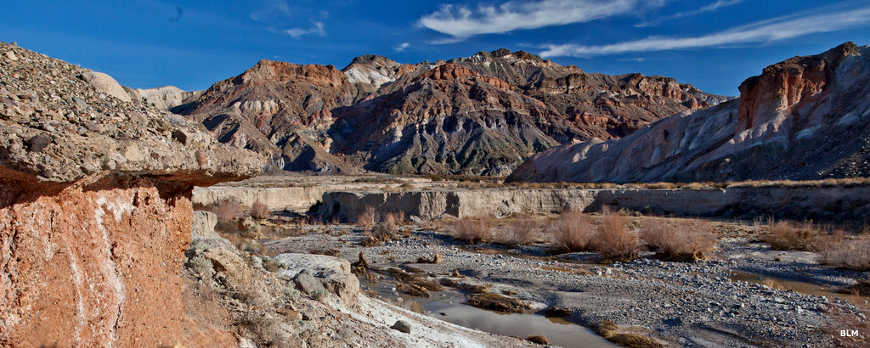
[[803, 118], [478, 115]]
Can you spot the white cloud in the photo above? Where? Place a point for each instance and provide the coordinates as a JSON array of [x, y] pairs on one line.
[[402, 46], [270, 10], [707, 8], [779, 28], [316, 29], [460, 22]]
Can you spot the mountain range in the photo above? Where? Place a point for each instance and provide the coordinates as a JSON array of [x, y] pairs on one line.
[[478, 115]]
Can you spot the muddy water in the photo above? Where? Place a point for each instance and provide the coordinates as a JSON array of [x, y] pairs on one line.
[[557, 331], [797, 286]]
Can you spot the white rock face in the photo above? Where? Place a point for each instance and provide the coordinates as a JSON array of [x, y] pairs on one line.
[[203, 224], [164, 98], [106, 84], [372, 77]]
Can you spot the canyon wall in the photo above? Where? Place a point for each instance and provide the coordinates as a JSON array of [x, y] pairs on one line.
[[830, 203]]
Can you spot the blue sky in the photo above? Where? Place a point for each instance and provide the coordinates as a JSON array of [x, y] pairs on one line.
[[713, 44]]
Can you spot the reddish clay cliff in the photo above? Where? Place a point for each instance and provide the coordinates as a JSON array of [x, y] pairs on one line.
[[95, 211]]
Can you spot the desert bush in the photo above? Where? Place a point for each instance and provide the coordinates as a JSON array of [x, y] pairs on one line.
[[785, 235], [614, 240], [260, 210], [394, 219], [367, 217], [515, 232], [847, 253], [574, 231], [472, 230], [679, 241], [227, 210]]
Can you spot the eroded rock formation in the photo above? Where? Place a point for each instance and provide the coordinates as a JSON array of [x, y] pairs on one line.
[[95, 211], [477, 115], [804, 118]]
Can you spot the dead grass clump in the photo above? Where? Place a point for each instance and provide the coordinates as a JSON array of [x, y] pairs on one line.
[[574, 231], [846, 253], [679, 241], [227, 210], [498, 303], [472, 230], [614, 240], [378, 235], [260, 210], [610, 331], [785, 235], [366, 218]]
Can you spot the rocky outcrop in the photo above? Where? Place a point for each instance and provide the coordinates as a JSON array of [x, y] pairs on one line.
[[479, 115], [804, 118], [317, 274], [95, 210], [106, 84], [166, 97]]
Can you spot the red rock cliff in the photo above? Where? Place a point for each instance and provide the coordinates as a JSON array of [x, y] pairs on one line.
[[95, 211], [782, 86]]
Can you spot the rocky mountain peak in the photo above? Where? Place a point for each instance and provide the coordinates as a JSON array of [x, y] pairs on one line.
[[460, 74], [275, 71], [782, 86], [371, 59]]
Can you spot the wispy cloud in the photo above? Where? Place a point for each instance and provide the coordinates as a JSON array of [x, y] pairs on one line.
[[779, 28], [460, 22], [317, 28], [707, 8], [270, 10], [402, 46]]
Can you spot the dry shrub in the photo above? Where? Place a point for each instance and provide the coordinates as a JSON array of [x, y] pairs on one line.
[[574, 231], [394, 220], [366, 218], [227, 210], [679, 241], [519, 232], [613, 333], [614, 240], [260, 210], [847, 253], [472, 230], [785, 235]]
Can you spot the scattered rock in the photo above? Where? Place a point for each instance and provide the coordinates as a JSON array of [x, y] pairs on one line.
[[38, 142], [538, 340], [436, 259], [401, 326]]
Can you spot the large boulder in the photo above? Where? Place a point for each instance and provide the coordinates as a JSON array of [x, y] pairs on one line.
[[95, 211], [104, 83], [333, 274]]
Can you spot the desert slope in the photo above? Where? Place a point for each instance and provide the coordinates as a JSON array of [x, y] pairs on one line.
[[803, 118]]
